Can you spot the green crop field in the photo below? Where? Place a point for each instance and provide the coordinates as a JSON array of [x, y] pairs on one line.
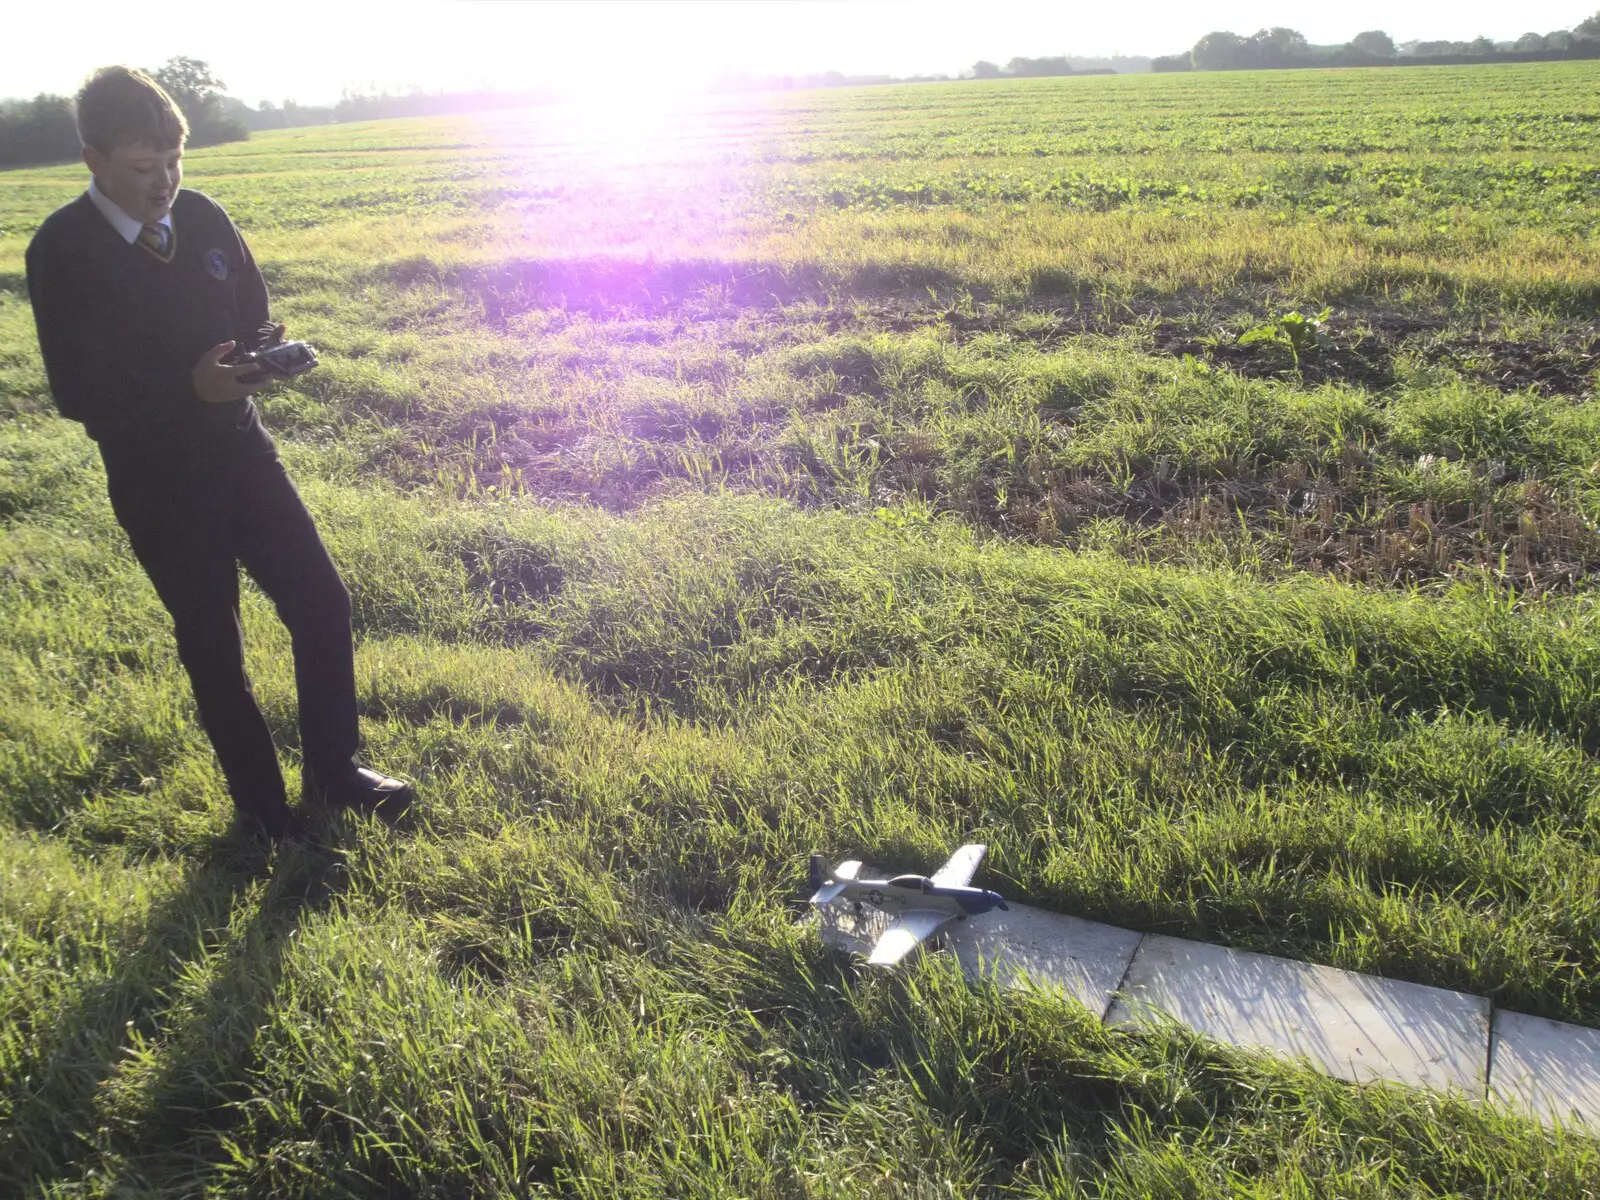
[[1188, 485]]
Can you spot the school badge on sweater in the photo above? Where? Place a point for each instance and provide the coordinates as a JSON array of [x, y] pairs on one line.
[[216, 264]]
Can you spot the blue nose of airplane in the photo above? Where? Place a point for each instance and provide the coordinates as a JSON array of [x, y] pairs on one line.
[[998, 902]]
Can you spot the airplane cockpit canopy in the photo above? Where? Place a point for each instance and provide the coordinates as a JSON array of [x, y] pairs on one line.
[[919, 883]]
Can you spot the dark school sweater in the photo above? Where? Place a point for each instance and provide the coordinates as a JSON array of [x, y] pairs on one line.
[[121, 330]]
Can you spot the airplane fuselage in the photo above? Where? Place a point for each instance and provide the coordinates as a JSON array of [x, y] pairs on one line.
[[918, 905], [905, 892]]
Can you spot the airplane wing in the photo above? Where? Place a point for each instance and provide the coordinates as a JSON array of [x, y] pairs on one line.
[[905, 933], [963, 865], [847, 870]]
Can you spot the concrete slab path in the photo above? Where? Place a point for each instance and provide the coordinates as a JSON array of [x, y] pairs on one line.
[[1548, 1068], [1352, 1026], [1081, 959]]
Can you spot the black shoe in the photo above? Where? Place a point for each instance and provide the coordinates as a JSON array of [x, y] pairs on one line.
[[358, 787]]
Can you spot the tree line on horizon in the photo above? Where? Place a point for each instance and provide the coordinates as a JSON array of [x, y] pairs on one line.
[[45, 129], [1280, 48]]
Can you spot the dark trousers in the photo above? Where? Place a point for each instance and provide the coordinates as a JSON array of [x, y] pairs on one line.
[[192, 520]]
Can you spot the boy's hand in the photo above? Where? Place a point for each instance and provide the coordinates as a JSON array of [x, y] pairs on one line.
[[217, 382]]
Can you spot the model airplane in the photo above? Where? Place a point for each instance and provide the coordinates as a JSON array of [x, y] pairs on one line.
[[920, 904]]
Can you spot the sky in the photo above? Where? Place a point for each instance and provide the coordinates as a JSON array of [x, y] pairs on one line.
[[312, 52]]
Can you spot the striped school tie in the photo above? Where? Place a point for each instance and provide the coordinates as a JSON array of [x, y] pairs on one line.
[[158, 240]]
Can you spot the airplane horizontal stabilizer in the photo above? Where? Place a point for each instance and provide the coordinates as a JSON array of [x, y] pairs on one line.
[[826, 894]]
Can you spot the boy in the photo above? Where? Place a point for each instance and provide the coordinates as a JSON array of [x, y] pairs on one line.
[[140, 292]]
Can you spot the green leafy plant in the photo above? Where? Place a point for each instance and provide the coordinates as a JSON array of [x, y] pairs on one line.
[[1295, 332]]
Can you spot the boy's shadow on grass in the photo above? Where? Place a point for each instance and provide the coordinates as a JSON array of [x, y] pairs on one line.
[[139, 1074]]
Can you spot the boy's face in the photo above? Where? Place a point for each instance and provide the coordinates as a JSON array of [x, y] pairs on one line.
[[138, 178]]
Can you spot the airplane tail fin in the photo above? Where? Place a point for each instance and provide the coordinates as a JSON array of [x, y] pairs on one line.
[[818, 872]]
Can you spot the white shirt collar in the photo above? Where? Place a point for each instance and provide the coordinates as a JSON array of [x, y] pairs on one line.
[[125, 225]]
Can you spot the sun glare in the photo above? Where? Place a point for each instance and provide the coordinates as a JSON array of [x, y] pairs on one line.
[[659, 172], [628, 126]]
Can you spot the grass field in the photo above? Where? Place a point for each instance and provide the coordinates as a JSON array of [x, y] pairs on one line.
[[1189, 485]]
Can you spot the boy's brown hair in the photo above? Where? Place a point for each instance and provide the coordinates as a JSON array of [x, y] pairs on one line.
[[122, 106]]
